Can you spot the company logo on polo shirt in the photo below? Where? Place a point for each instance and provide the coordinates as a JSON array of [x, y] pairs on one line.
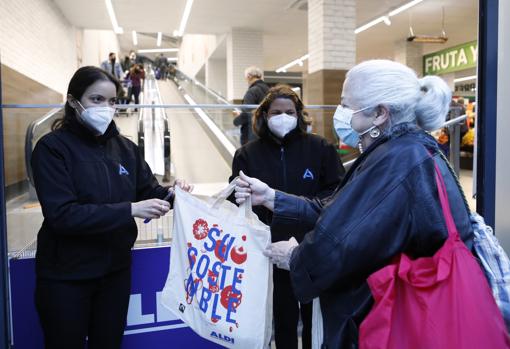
[[123, 171], [308, 174]]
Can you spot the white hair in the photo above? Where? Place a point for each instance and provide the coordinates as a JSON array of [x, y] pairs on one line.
[[409, 99], [253, 71]]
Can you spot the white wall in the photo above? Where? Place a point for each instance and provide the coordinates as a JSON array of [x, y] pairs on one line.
[[194, 51], [37, 41], [216, 75], [502, 226], [97, 44]]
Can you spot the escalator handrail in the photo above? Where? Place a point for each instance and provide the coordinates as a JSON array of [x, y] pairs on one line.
[[29, 140], [205, 88]]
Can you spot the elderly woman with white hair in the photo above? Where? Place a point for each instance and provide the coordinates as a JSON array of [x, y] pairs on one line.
[[386, 204]]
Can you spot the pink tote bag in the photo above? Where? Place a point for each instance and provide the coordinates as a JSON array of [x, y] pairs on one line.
[[438, 302]]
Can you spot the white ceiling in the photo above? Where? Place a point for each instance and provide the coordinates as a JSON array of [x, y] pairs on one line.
[[285, 29]]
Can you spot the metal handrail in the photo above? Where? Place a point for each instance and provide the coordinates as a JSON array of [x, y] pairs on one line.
[[453, 154], [29, 140], [166, 106]]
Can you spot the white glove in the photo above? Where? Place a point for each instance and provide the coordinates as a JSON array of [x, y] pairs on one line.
[[279, 252]]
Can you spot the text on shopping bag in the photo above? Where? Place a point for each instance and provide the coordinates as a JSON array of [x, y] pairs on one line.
[[215, 271]]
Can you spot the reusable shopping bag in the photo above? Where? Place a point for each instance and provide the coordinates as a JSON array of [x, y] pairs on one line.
[[439, 302], [317, 324], [495, 263], [220, 283]]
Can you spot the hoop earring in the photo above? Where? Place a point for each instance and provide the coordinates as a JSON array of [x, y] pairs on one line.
[[375, 133]]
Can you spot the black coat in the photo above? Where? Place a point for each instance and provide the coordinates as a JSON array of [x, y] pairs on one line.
[[300, 163], [387, 204], [255, 94], [86, 186]]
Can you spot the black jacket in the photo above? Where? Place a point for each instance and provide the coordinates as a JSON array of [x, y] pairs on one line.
[[255, 94], [301, 163], [85, 186], [387, 204]]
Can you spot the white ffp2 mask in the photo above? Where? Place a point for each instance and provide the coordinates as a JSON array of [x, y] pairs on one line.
[[282, 124], [97, 118]]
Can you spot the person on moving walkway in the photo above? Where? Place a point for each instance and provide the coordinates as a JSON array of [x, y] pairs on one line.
[[91, 183], [137, 76], [112, 66], [255, 94]]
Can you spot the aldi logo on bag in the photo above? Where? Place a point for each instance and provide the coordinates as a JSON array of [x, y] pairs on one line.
[[222, 337], [216, 272]]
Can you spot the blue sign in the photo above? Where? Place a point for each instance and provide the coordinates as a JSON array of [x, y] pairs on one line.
[[149, 324]]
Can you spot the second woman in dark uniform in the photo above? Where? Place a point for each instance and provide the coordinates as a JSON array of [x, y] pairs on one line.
[[286, 157]]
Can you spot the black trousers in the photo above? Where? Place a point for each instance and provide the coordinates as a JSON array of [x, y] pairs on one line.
[[286, 311], [135, 90], [70, 311]]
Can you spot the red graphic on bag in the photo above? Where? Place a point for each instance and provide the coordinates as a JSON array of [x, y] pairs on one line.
[[230, 299], [200, 229], [215, 276]]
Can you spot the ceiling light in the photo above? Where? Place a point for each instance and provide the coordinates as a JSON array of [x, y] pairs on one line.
[[404, 7], [113, 19], [428, 39], [369, 25], [467, 78], [299, 61], [158, 50], [386, 18], [135, 38], [158, 42], [185, 17]]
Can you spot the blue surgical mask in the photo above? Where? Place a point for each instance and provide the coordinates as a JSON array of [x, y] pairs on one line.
[[342, 124]]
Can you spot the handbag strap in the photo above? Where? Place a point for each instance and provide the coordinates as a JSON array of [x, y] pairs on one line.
[[445, 203]]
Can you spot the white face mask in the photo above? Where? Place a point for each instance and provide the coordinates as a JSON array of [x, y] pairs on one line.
[[282, 124], [97, 118]]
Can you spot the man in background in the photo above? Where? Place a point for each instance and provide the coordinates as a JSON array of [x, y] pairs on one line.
[[112, 66], [256, 92]]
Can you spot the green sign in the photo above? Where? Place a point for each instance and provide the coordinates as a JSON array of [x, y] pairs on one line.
[[452, 59]]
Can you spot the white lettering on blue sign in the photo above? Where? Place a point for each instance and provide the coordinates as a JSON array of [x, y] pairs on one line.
[[158, 321]]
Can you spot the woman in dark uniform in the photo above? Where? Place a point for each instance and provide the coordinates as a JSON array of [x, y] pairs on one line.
[[91, 183]]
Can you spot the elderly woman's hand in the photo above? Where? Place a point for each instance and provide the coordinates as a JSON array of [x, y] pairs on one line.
[[260, 192], [280, 252]]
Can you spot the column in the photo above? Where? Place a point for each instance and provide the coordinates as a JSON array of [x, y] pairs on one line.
[[410, 54], [502, 168], [244, 48], [332, 50]]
